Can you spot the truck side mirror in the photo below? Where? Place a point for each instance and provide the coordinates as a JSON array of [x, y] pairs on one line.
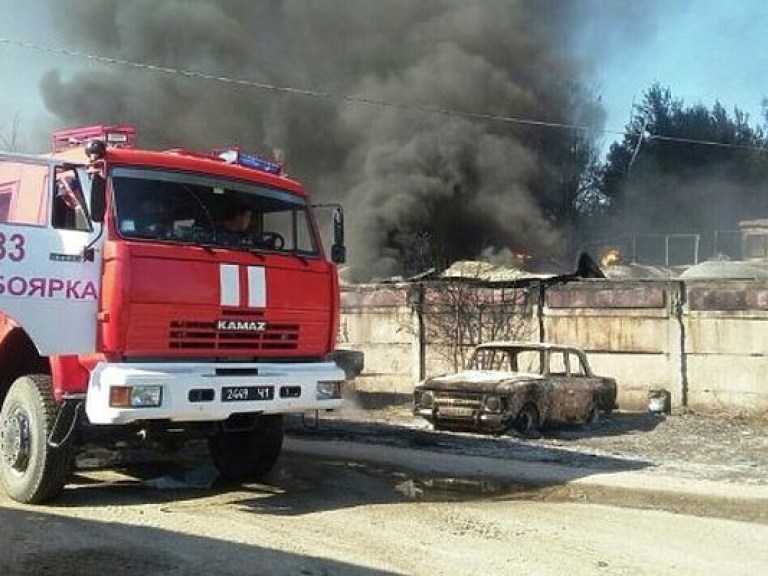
[[338, 250], [338, 254], [98, 196], [96, 150]]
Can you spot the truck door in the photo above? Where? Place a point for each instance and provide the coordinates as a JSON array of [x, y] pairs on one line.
[[46, 284]]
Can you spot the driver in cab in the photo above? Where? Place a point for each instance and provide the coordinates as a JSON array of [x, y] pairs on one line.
[[234, 225]]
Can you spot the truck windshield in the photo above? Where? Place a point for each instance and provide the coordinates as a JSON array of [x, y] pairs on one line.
[[177, 207]]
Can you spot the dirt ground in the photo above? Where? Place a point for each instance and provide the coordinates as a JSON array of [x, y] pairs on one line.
[[718, 447], [320, 514], [321, 517]]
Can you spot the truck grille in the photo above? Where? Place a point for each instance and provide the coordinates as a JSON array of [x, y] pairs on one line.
[[204, 336]]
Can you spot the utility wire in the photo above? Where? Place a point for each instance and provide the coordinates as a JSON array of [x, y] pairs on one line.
[[705, 142], [293, 90], [354, 99]]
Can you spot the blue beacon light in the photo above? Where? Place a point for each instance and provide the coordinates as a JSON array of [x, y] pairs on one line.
[[250, 161]]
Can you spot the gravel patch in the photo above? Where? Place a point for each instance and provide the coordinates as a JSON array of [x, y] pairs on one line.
[[703, 446]]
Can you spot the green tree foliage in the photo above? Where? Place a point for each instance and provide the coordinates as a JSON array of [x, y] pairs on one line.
[[658, 180]]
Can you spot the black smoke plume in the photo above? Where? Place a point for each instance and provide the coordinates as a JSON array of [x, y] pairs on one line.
[[466, 185]]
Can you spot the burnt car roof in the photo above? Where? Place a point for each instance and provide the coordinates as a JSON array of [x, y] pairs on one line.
[[527, 345]]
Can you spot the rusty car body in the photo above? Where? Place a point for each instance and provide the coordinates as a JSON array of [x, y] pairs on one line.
[[519, 385]]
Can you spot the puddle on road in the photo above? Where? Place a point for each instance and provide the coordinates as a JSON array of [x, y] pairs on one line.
[[303, 479], [449, 489], [302, 484], [462, 489]]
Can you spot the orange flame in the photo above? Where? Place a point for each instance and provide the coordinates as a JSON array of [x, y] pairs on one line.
[[610, 258]]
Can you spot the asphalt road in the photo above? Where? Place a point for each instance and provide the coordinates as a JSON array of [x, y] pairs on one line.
[[362, 512]]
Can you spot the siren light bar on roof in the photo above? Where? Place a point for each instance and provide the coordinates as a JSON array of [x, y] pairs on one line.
[[124, 136], [117, 136]]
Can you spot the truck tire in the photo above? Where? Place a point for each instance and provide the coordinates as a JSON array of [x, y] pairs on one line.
[[240, 456], [31, 470]]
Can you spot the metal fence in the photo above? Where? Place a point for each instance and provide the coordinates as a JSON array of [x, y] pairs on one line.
[[671, 249]]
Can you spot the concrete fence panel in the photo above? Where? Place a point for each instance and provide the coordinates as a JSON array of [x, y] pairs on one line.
[[704, 342]]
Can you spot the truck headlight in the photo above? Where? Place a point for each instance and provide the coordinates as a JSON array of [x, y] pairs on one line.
[[329, 390], [135, 396]]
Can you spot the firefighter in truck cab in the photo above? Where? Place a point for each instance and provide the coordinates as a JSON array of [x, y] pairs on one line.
[[114, 328]]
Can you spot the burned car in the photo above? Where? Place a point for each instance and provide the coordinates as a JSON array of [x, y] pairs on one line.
[[524, 386]]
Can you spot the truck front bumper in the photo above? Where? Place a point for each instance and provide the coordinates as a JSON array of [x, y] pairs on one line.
[[192, 392]]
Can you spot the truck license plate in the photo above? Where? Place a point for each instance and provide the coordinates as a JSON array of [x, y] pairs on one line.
[[247, 393]]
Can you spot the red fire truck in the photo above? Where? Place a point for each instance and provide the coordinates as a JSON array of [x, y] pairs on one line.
[[127, 310]]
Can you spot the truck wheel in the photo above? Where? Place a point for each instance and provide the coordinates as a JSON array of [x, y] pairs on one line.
[[31, 470], [528, 422], [241, 456]]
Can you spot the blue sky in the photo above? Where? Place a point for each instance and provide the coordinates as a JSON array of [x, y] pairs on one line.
[[702, 49], [21, 69]]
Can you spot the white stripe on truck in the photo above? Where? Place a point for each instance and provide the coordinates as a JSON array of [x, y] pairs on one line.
[[257, 287], [229, 283]]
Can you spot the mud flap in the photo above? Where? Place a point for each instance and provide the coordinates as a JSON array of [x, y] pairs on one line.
[[66, 422]]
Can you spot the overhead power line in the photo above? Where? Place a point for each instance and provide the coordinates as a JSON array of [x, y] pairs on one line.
[[292, 90], [194, 74], [705, 142]]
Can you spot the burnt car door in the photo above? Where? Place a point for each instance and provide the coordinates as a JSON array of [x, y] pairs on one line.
[[529, 394], [582, 379], [603, 389], [574, 395]]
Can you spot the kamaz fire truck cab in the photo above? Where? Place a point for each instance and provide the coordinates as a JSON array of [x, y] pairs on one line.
[[127, 310]]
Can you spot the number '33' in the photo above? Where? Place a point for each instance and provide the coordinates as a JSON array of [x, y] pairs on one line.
[[12, 247]]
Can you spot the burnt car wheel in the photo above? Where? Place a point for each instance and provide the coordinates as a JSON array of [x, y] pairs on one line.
[[528, 421], [593, 416]]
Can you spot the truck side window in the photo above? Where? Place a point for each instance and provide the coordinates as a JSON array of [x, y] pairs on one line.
[[68, 202], [286, 221], [23, 195]]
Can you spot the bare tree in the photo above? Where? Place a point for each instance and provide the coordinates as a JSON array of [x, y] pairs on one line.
[[459, 315], [9, 135]]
